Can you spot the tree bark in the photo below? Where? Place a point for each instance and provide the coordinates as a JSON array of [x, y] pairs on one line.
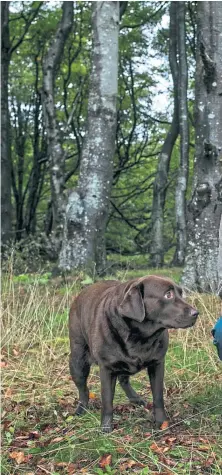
[[87, 208], [161, 179], [6, 207], [201, 263], [6, 166], [182, 177], [39, 151], [56, 153]]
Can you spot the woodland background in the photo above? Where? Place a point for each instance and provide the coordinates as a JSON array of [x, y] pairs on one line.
[[111, 168], [157, 195]]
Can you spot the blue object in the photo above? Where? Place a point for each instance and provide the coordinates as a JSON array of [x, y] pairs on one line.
[[217, 334]]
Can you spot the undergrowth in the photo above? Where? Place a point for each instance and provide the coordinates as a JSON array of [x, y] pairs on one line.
[[42, 435]]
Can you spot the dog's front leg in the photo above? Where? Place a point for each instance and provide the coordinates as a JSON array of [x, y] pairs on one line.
[[156, 375], [108, 383]]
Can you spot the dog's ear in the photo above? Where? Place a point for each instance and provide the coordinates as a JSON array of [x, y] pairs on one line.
[[132, 305]]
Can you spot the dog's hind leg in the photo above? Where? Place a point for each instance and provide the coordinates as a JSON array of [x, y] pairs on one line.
[[127, 388], [79, 369]]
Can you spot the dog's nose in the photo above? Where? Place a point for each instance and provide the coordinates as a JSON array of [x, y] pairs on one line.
[[194, 312]]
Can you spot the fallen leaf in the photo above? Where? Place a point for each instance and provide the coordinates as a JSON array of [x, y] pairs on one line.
[[129, 464], [181, 371], [19, 457], [6, 424], [158, 449], [163, 473], [185, 441], [105, 460], [3, 364], [168, 461], [147, 435], [8, 393], [209, 462], [15, 352], [205, 441], [22, 437], [164, 425], [71, 468], [46, 468], [57, 439], [120, 450], [92, 395], [20, 442], [34, 434], [128, 438], [154, 446], [170, 440], [203, 448], [62, 464], [176, 415], [70, 433], [28, 457]]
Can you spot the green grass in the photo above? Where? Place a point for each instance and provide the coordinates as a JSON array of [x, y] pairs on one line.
[[38, 418], [173, 273], [129, 267]]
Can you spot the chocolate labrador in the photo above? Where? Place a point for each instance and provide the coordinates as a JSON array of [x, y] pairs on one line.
[[123, 327]]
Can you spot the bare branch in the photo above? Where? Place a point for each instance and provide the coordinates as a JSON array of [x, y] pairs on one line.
[[146, 20], [28, 22]]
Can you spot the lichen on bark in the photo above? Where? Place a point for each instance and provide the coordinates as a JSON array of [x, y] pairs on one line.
[[87, 207], [205, 208]]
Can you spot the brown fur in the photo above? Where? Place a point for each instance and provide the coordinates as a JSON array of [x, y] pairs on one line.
[[123, 327]]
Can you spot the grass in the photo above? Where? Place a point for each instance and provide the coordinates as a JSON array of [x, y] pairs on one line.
[[128, 267], [41, 435]]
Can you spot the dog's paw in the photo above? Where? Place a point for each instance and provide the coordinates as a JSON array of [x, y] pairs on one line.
[[107, 424], [106, 429], [80, 409], [162, 425]]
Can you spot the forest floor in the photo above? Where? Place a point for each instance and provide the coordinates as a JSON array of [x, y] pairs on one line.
[[41, 434]]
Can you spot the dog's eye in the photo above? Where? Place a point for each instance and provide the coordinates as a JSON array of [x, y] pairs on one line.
[[169, 294]]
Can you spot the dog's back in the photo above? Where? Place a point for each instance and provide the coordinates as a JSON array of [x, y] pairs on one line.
[[84, 313]]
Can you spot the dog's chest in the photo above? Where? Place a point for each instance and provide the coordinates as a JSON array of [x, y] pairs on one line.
[[143, 351], [135, 355]]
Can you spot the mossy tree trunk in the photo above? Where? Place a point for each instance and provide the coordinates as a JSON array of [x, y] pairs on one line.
[[56, 153], [204, 210], [161, 178], [182, 176], [87, 208]]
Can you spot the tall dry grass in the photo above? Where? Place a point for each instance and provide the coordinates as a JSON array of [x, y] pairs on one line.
[[35, 349]]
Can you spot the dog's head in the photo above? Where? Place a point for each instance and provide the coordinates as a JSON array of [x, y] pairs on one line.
[[159, 300]]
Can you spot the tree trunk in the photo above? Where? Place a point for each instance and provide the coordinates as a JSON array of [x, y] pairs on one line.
[[20, 143], [182, 178], [160, 183], [87, 208], [35, 177], [6, 208], [201, 264], [56, 153]]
